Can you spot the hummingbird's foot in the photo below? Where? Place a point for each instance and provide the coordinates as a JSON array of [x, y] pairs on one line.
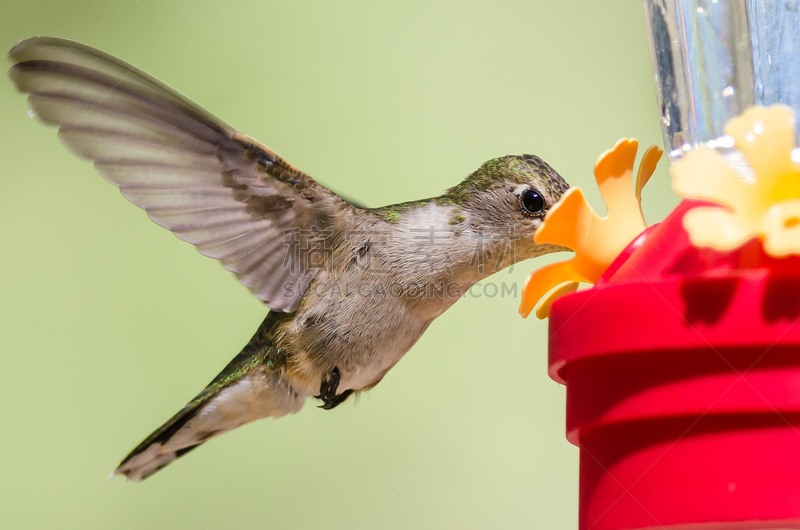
[[327, 391]]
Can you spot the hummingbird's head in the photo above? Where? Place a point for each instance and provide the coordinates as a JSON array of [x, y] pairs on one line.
[[508, 197]]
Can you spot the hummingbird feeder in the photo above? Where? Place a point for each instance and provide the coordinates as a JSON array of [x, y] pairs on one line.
[[682, 361]]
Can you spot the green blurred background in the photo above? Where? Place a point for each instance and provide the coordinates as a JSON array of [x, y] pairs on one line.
[[109, 324]]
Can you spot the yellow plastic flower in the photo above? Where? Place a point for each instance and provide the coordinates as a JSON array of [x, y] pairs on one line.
[[596, 240], [766, 206]]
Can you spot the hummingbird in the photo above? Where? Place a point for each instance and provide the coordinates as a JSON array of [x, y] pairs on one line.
[[349, 289]]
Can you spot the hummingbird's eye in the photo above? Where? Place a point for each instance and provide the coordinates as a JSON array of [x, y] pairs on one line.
[[532, 202]]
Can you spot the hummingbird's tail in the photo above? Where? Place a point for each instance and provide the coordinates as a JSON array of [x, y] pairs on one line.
[[249, 388]]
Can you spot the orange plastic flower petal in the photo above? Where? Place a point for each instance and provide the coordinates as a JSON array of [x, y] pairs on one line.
[[716, 227], [766, 136], [596, 240], [782, 229], [543, 311], [765, 205], [646, 169], [543, 280], [705, 174], [568, 218]]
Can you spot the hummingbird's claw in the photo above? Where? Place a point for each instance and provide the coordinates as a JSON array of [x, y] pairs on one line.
[[327, 391]]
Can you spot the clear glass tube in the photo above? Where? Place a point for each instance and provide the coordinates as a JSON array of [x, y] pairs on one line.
[[714, 58]]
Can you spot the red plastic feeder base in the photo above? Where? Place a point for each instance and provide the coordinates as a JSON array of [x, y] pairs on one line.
[[682, 368]]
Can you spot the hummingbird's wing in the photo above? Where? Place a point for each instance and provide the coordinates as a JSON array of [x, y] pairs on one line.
[[224, 192]]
